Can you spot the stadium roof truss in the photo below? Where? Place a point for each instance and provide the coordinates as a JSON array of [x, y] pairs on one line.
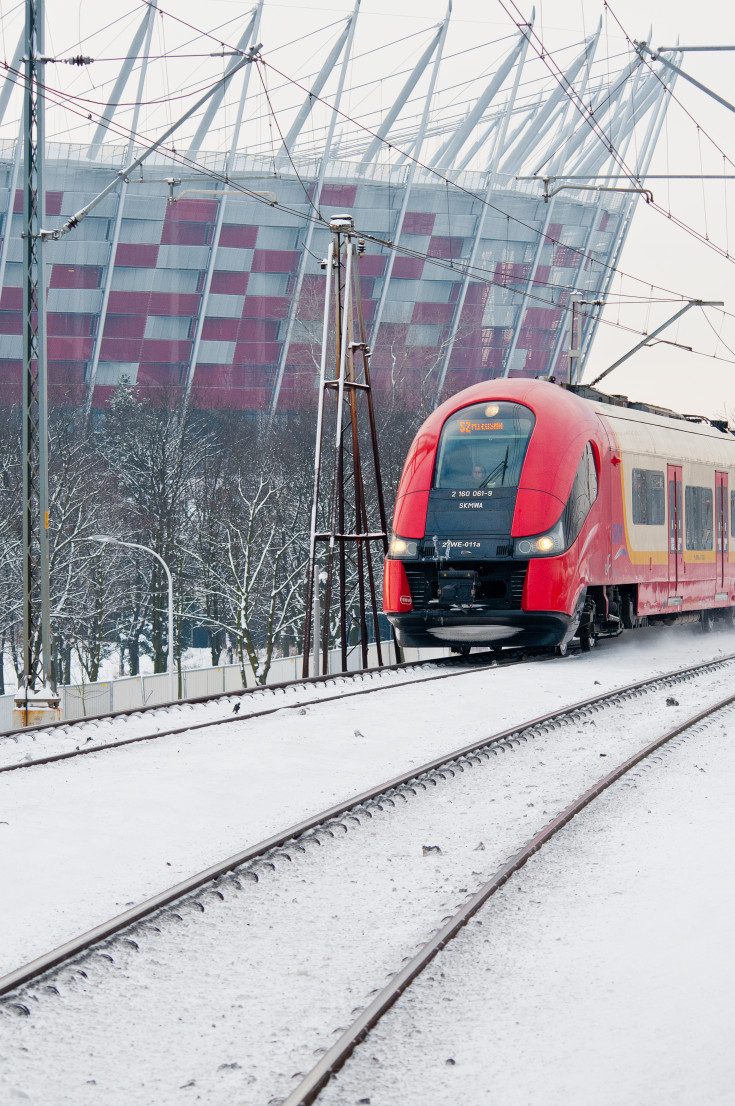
[[202, 276]]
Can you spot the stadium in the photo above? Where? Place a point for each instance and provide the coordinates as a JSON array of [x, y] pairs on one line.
[[201, 276]]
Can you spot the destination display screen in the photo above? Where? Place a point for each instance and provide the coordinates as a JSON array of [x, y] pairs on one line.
[[482, 447]]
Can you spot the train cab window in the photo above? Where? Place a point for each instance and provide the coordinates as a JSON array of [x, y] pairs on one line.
[[698, 517], [649, 497], [483, 446], [583, 495]]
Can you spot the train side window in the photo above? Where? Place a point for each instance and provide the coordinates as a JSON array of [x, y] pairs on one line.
[[584, 494], [591, 472], [649, 497], [698, 504], [732, 514]]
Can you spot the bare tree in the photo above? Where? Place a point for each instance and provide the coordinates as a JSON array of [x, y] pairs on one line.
[[153, 460]]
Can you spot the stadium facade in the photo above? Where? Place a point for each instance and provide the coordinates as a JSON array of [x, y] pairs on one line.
[[202, 275]]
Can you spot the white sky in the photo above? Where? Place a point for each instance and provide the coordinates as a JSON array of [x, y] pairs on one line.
[[656, 251]]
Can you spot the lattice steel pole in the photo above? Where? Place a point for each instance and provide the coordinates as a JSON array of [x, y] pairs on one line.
[[342, 499], [37, 694]]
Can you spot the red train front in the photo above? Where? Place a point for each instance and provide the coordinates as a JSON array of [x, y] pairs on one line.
[[496, 518]]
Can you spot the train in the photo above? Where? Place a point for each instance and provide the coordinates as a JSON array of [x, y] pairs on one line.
[[533, 513]]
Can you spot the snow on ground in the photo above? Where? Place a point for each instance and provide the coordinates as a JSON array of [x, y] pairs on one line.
[[601, 973], [30, 745], [249, 991], [85, 838]]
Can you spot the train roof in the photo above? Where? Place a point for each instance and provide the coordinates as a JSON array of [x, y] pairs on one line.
[[662, 414]]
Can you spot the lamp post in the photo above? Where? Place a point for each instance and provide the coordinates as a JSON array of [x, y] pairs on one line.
[[136, 545]]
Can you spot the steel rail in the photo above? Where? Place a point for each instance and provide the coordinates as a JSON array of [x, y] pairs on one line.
[[26, 973], [244, 692], [309, 1088], [52, 758]]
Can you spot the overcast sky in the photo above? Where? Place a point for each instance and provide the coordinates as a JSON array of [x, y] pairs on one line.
[[656, 252]]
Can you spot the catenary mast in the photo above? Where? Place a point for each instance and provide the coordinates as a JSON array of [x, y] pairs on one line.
[[36, 699]]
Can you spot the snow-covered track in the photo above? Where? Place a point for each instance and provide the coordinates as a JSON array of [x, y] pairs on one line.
[[334, 1058], [347, 685], [473, 660], [264, 852]]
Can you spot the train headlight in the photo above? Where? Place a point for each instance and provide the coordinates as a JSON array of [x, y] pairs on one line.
[[403, 547], [543, 545]]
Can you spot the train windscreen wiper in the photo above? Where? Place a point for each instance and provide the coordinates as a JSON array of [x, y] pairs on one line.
[[500, 470]]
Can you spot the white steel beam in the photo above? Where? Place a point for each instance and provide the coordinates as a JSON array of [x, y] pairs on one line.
[[647, 150], [142, 35], [12, 78], [315, 90], [572, 113], [309, 233], [109, 272], [580, 138], [404, 94], [557, 97], [639, 101], [611, 263], [590, 150], [248, 37], [482, 214], [409, 181], [542, 239], [253, 29], [448, 152], [527, 117]]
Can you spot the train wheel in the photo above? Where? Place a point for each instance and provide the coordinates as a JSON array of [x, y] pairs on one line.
[[587, 640], [708, 621]]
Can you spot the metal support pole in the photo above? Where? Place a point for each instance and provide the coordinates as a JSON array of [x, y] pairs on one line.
[[645, 341], [311, 583], [38, 674], [317, 628], [170, 665], [575, 336], [349, 559], [655, 55]]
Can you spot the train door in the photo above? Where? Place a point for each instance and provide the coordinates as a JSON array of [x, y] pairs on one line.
[[723, 544], [676, 529]]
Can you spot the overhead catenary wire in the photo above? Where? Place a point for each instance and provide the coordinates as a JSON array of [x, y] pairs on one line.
[[441, 176], [432, 260], [676, 220], [174, 155]]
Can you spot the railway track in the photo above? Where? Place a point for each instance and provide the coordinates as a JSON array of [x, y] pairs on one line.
[[309, 1088], [281, 846], [267, 699]]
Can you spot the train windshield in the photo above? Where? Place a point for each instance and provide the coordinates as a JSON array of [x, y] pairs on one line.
[[483, 446]]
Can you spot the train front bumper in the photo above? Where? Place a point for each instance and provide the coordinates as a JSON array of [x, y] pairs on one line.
[[468, 626]]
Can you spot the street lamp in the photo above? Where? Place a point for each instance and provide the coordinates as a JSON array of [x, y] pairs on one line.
[[136, 545]]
